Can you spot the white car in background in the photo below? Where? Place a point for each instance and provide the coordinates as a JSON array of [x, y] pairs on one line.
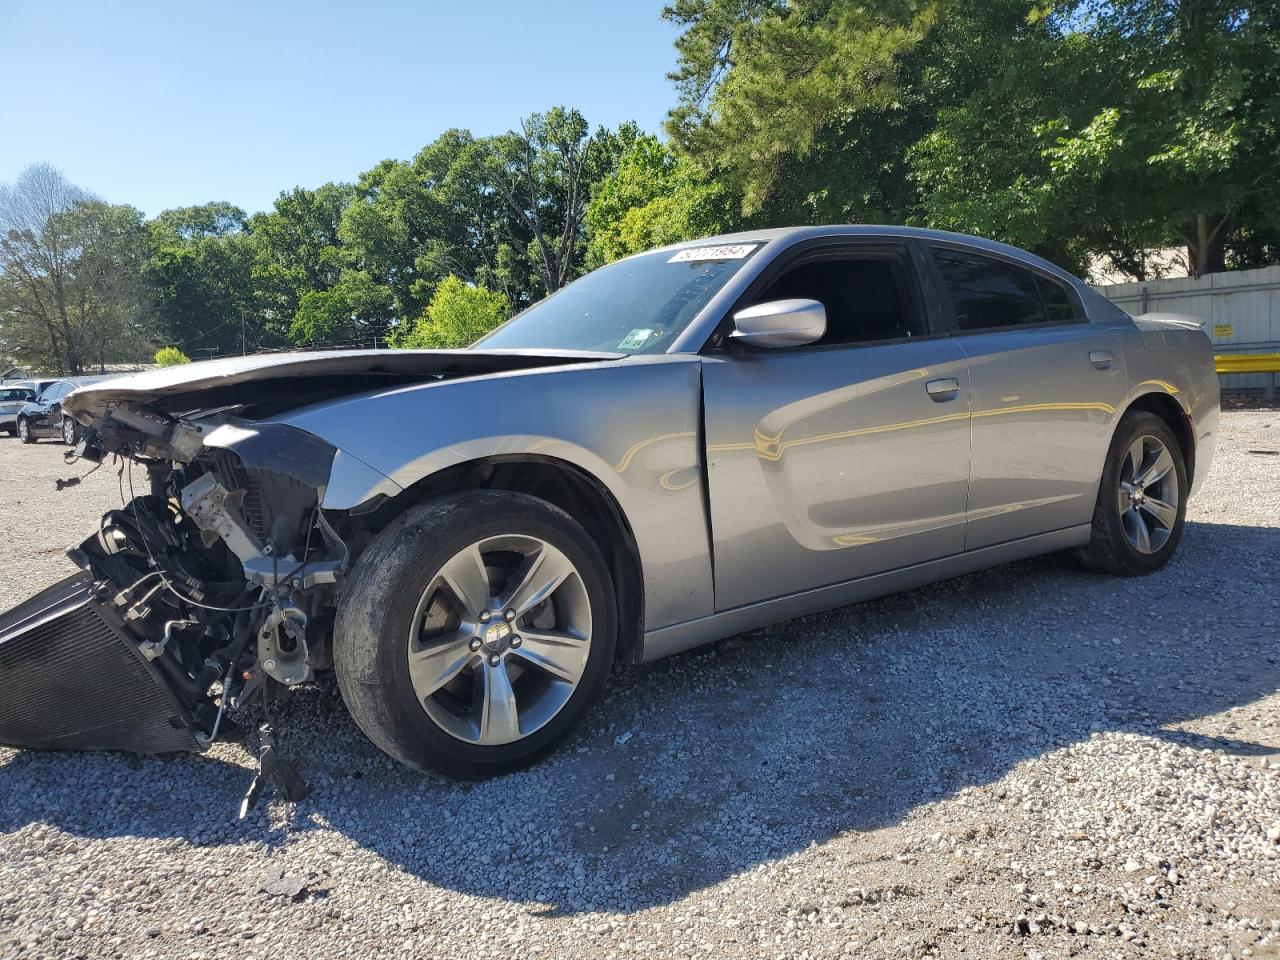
[[13, 397]]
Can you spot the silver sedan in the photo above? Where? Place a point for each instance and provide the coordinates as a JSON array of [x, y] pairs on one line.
[[685, 444]]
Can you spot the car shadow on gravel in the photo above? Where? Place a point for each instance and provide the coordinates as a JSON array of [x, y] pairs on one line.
[[712, 763]]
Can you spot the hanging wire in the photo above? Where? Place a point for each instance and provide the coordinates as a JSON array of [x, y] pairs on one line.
[[163, 574]]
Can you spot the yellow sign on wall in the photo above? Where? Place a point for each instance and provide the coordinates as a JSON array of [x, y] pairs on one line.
[[1222, 329]]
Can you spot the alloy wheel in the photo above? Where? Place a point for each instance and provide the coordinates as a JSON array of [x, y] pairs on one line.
[[24, 430], [68, 432], [1148, 494], [500, 639]]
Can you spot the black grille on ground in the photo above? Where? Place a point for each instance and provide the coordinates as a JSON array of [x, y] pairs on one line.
[[70, 679]]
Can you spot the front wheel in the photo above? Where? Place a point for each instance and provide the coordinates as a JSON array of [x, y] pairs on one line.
[[24, 430], [475, 633], [1141, 506]]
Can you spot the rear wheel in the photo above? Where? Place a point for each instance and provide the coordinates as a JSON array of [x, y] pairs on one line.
[[24, 430], [70, 432], [475, 633], [1141, 506]]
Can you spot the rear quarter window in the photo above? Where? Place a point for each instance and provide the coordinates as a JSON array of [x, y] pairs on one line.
[[1057, 302]]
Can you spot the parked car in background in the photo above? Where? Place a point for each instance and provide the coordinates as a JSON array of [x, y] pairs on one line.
[[13, 397], [43, 417], [685, 444]]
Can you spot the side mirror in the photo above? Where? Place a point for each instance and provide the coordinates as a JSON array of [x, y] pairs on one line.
[[780, 323]]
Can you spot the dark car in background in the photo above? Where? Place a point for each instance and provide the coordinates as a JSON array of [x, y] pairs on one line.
[[43, 417]]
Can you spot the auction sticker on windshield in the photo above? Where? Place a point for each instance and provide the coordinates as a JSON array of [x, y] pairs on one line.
[[730, 251], [636, 339]]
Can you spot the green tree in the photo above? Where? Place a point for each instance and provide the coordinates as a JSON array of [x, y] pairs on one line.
[[1113, 129], [652, 198], [171, 357], [1192, 119], [201, 267], [765, 83], [502, 212], [457, 315], [71, 285], [112, 303], [545, 174], [1074, 128], [340, 315], [297, 251], [414, 223]]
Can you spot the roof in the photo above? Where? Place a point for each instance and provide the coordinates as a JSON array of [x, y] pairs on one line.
[[786, 236]]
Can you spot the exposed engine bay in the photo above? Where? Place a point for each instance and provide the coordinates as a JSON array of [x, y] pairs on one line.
[[216, 581], [211, 587], [219, 574]]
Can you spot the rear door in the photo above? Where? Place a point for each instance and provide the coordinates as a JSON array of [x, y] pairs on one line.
[[1045, 386], [844, 458]]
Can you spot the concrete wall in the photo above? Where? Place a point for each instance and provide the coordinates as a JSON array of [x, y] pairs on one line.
[[1240, 310]]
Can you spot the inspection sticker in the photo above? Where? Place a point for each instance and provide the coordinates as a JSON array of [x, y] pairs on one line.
[[636, 339], [728, 251]]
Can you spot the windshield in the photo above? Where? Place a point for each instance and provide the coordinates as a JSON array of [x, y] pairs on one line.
[[638, 305]]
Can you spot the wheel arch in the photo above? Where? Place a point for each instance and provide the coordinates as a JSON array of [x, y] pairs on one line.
[[559, 482], [1168, 409]]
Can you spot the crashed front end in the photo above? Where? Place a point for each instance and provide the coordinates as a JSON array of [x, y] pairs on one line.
[[214, 583]]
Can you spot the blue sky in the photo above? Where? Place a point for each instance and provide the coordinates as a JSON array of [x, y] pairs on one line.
[[169, 104]]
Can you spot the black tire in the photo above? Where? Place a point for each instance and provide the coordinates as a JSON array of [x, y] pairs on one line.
[[24, 430], [381, 598], [1109, 549]]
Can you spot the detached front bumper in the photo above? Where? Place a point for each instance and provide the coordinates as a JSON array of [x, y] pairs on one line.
[[72, 678]]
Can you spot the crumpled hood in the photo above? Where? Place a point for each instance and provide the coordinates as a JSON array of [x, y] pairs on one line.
[[287, 380]]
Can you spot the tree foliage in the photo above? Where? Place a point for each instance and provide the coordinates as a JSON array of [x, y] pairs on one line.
[[201, 270], [71, 286], [652, 198], [457, 315], [170, 357], [762, 81], [1075, 128]]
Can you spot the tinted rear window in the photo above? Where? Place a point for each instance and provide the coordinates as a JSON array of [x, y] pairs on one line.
[[987, 293]]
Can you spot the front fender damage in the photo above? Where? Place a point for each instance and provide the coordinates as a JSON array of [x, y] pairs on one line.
[[213, 585]]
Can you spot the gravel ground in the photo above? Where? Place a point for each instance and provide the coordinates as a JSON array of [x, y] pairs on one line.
[[1027, 762]]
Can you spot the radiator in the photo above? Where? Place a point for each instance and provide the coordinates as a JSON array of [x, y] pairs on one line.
[[71, 678]]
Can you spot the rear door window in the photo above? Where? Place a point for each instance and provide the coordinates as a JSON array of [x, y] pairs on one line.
[[987, 293]]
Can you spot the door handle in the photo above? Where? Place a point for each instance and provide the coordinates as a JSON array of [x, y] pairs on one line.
[[1101, 359], [943, 390]]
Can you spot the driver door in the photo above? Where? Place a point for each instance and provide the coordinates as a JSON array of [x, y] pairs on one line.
[[49, 417], [844, 458]]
